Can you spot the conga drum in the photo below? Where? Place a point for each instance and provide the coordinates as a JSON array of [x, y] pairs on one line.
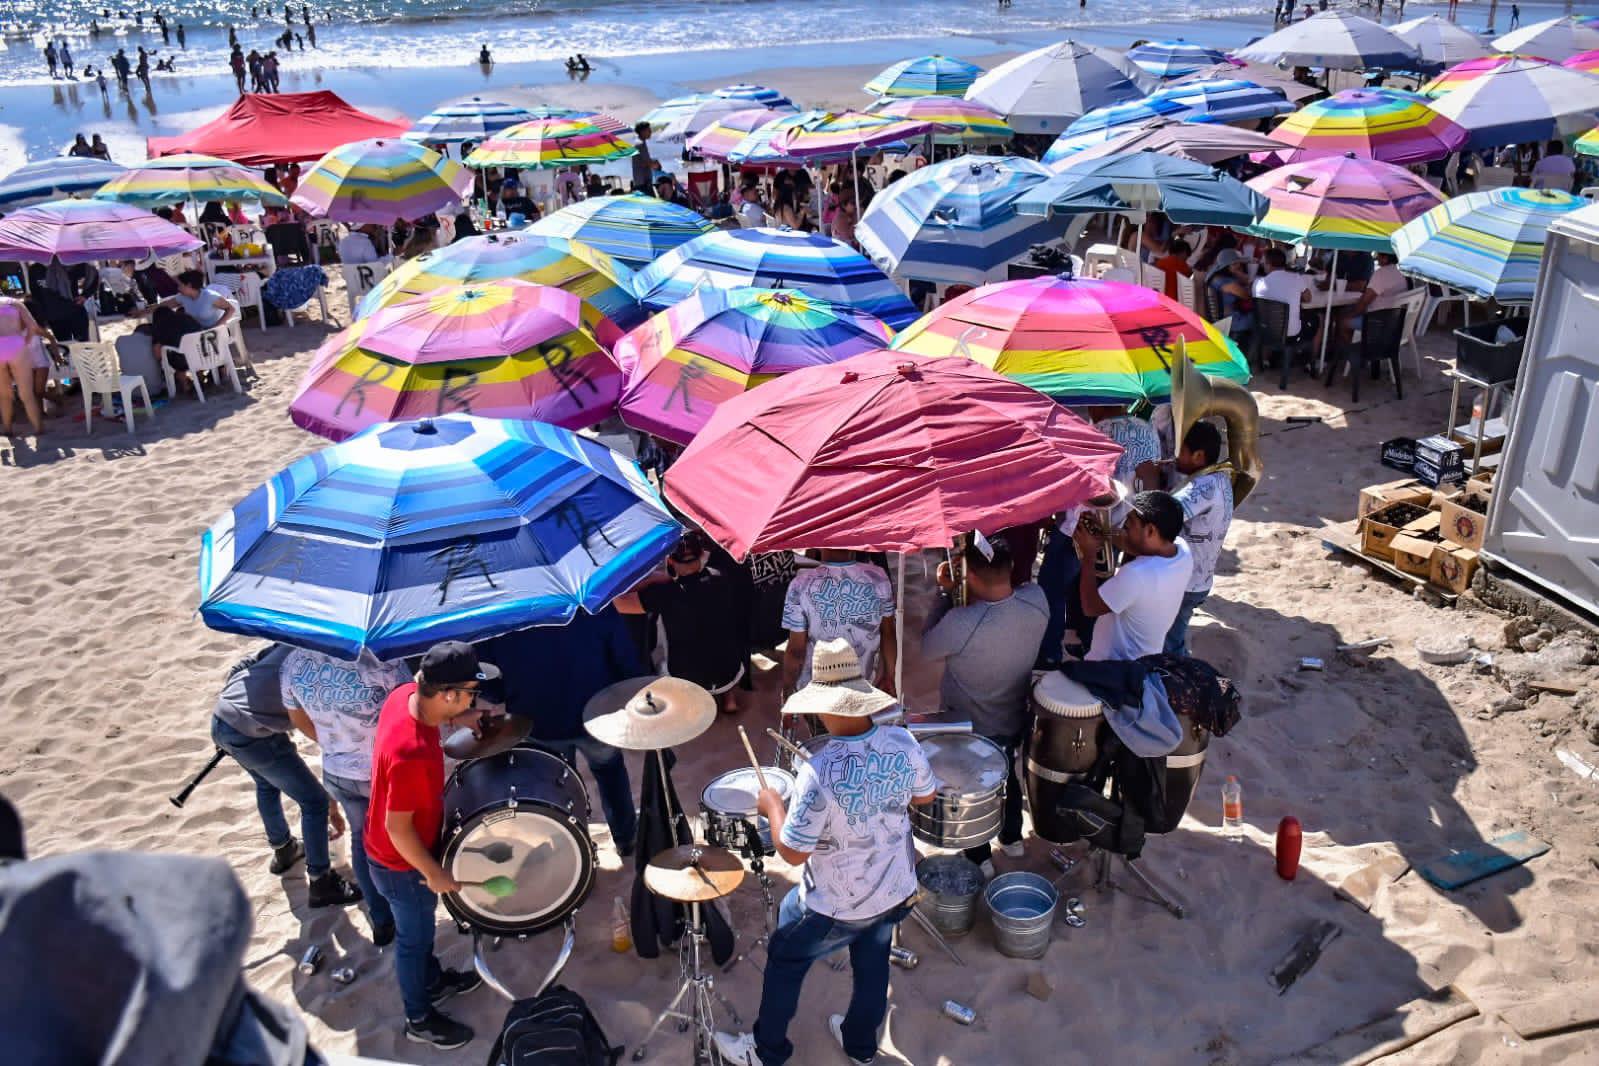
[[1064, 746], [1183, 767]]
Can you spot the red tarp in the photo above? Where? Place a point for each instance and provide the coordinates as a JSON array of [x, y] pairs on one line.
[[263, 129]]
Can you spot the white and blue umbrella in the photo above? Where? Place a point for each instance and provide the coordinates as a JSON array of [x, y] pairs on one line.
[[1440, 42], [1182, 189], [1522, 100], [53, 179], [753, 95], [1333, 40], [1045, 90], [409, 533], [634, 229], [1173, 59], [924, 76], [1556, 39], [955, 222], [1201, 101], [677, 120], [466, 120]]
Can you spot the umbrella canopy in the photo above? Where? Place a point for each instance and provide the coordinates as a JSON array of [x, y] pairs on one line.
[[758, 147], [1470, 70], [841, 134], [602, 283], [1146, 181], [954, 121], [381, 181], [634, 229], [88, 231], [1077, 341], [665, 112], [686, 361], [754, 95], [1523, 100], [1587, 62], [1372, 124], [886, 452], [690, 119], [1256, 73], [1488, 244], [457, 528], [1556, 39], [176, 179], [1044, 90], [1588, 143], [719, 139], [954, 222], [52, 179], [466, 120], [1341, 203], [266, 129], [549, 142], [1214, 101], [768, 258], [502, 349], [925, 76], [1173, 59], [1201, 142], [598, 119], [1334, 40], [1439, 42]]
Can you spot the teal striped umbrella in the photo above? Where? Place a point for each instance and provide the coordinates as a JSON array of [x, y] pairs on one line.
[[632, 229], [1488, 244], [925, 76]]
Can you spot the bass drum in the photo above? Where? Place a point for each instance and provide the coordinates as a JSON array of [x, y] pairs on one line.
[[1063, 747], [521, 814]]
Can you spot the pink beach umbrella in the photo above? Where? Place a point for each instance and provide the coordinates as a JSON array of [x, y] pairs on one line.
[[88, 231]]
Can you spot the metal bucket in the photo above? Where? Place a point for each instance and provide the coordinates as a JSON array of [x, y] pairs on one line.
[[1022, 906], [950, 886]]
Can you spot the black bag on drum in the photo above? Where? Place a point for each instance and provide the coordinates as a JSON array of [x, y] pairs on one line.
[[556, 1028]]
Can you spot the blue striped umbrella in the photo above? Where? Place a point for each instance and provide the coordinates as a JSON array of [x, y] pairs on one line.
[[1488, 244], [457, 528], [955, 222], [1173, 59], [466, 120], [1200, 101], [756, 148], [925, 76], [634, 229], [774, 259], [52, 179], [754, 95], [1131, 113]]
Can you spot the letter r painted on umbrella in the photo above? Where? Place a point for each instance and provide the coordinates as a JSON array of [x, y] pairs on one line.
[[460, 560], [687, 375], [582, 526], [570, 378], [1159, 340], [455, 391], [376, 374]]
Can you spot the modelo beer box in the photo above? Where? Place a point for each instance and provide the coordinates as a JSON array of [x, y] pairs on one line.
[[1400, 454], [1439, 459]]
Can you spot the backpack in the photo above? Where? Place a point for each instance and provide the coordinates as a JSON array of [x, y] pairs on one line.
[[555, 1028]]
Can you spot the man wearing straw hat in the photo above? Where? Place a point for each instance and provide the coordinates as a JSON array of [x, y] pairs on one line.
[[850, 834]]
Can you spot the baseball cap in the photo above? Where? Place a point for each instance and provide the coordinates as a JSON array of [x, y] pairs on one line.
[[453, 662]]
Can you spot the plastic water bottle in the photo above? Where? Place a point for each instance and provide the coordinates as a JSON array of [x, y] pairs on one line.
[[1232, 807], [621, 930]]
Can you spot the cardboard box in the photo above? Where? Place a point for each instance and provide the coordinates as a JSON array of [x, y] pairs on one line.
[[1413, 554], [1378, 529], [1483, 479], [1465, 517], [1405, 490], [1439, 459], [1400, 454], [1452, 566]]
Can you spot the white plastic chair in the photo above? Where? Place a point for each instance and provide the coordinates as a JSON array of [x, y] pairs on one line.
[[244, 289], [207, 350], [362, 278], [95, 365], [1152, 277], [1187, 293], [1590, 192], [1413, 302], [246, 234], [321, 231], [1102, 257]]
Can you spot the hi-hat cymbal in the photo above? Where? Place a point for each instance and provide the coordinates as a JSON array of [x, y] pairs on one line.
[[494, 735], [649, 713], [693, 873]]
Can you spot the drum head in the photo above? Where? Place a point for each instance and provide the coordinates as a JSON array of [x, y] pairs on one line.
[[967, 763], [550, 863], [1057, 694], [734, 792]]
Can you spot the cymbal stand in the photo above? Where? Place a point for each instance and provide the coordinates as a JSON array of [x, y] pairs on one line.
[[698, 987], [762, 878]]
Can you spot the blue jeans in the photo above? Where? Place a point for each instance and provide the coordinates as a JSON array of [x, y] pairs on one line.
[[803, 936], [354, 797], [1177, 635], [1057, 577], [415, 966], [276, 767], [610, 774]]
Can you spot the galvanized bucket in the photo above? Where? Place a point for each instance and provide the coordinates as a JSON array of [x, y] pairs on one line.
[[1022, 906], [950, 885]]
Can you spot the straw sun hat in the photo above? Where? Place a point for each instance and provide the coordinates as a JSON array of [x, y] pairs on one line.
[[836, 686]]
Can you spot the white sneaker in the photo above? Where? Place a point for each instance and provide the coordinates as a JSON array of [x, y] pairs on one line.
[[1013, 851], [835, 1023], [987, 866], [738, 1049]]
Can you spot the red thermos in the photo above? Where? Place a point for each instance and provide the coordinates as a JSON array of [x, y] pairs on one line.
[[1289, 839]]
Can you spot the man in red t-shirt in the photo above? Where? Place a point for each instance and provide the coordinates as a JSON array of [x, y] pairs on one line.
[[403, 826]]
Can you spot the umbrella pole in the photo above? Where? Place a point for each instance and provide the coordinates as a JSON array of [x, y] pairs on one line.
[[855, 172], [899, 630], [1326, 327]]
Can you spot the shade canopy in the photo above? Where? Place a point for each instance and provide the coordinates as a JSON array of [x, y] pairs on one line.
[[383, 181], [1185, 191], [89, 231], [839, 135], [52, 179], [954, 121], [634, 229], [1260, 74], [1556, 39], [1371, 123], [726, 134], [1587, 62], [1523, 100], [1439, 42], [1202, 142], [1467, 71], [178, 179], [1044, 90], [1233, 100], [1341, 203], [754, 95], [466, 120], [933, 75], [262, 129], [1488, 244], [1173, 59], [1334, 40], [549, 142]]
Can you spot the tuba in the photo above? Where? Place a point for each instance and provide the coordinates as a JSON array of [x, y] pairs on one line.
[[1193, 396]]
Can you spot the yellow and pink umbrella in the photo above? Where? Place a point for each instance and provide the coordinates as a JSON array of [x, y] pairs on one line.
[[381, 180], [178, 179], [1472, 69], [549, 142]]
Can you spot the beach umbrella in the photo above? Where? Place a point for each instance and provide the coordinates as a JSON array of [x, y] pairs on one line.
[[756, 148], [842, 134], [754, 95], [1524, 100], [1588, 143], [1333, 40], [688, 121], [955, 222], [1173, 59], [1587, 62], [178, 179], [1233, 100], [665, 112], [1044, 90], [53, 179], [768, 258], [410, 533], [954, 121], [1078, 341], [1556, 39], [719, 139], [1470, 70], [501, 349], [466, 120], [1268, 77], [1488, 244], [89, 231], [1185, 191], [1439, 42], [549, 142], [598, 119], [1370, 123], [633, 229], [686, 361], [933, 75], [1201, 142], [603, 284], [382, 181]]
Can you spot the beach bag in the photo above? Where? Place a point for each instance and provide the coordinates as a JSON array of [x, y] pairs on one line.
[[554, 1028]]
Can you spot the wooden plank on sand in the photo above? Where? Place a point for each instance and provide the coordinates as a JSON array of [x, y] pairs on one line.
[[1573, 1008], [1389, 1033]]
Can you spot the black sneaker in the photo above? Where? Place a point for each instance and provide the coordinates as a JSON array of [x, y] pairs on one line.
[[453, 983], [382, 935], [285, 855], [332, 890], [440, 1030]]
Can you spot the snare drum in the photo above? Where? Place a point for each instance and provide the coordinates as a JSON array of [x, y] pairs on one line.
[[727, 810], [527, 809], [970, 801], [1064, 746]]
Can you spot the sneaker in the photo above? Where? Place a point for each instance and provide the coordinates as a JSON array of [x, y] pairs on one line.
[[737, 1049], [453, 983], [382, 935], [1013, 851], [285, 855], [333, 890], [440, 1030], [835, 1024], [987, 866]]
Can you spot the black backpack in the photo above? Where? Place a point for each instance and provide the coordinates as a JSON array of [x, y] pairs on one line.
[[555, 1028]]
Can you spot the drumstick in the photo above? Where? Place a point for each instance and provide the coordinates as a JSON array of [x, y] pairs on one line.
[[788, 745], [760, 775]]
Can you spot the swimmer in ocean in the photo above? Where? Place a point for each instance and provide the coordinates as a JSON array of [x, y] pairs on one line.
[[484, 59]]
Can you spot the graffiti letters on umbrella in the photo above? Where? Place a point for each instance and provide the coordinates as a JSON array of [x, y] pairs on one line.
[[1159, 339], [689, 373], [456, 390], [376, 374], [569, 376], [461, 559], [582, 526], [283, 558]]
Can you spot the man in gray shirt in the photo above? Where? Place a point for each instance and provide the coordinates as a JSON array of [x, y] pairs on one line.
[[988, 648]]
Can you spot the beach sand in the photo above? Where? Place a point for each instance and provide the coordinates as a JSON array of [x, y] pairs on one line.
[[109, 678]]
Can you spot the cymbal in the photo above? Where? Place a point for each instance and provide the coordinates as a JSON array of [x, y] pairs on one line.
[[693, 873], [649, 713], [495, 734]]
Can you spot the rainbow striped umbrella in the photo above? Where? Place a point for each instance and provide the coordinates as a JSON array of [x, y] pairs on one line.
[[1370, 123], [634, 229], [1341, 202], [604, 285], [754, 95], [466, 120], [755, 148], [504, 349], [88, 231], [1173, 59], [177, 179], [381, 180], [549, 142], [1523, 100], [841, 134], [954, 121], [598, 119], [933, 75], [1587, 62], [1488, 244], [1078, 341], [1472, 69], [721, 137], [683, 363], [1588, 143]]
